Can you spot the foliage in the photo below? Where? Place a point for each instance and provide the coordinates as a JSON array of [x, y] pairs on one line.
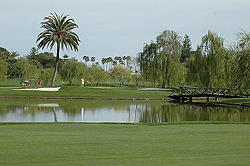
[[5, 54], [214, 53], [120, 73], [160, 61], [186, 49], [46, 75], [167, 61], [3, 70], [240, 66], [97, 75], [72, 71]]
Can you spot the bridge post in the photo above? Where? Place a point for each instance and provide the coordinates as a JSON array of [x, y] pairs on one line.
[[181, 99], [207, 100], [190, 99]]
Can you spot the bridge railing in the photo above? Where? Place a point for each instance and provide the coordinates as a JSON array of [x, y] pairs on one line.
[[211, 91]]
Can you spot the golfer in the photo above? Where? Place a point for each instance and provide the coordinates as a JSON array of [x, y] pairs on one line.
[[82, 84], [40, 82]]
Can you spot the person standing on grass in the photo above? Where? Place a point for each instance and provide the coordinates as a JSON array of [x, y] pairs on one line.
[[26, 83], [40, 82], [82, 84]]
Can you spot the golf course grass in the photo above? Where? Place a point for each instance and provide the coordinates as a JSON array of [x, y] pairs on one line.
[[124, 144], [186, 143], [8, 89]]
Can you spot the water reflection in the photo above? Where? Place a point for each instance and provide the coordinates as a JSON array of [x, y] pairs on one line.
[[116, 111], [189, 112]]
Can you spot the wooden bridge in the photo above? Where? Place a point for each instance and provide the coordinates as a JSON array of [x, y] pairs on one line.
[[187, 93]]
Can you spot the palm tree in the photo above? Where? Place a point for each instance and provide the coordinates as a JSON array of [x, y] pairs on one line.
[[104, 61], [109, 60], [92, 60], [86, 59], [128, 58], [58, 29]]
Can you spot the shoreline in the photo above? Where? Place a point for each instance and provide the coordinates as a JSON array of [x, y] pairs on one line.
[[117, 99], [85, 98]]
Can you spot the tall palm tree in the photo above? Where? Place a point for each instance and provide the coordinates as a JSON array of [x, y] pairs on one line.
[[86, 59], [104, 61], [58, 30], [92, 60]]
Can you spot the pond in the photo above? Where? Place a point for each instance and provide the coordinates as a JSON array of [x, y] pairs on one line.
[[96, 111]]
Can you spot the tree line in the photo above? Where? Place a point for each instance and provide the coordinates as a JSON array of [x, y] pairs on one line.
[[35, 66], [58, 31], [170, 61]]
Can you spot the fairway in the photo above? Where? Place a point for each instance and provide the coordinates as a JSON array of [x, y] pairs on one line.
[[124, 144]]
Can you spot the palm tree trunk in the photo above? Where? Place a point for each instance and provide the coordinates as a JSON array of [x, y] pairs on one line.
[[54, 111], [56, 67]]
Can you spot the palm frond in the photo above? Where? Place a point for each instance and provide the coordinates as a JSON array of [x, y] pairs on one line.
[[58, 29]]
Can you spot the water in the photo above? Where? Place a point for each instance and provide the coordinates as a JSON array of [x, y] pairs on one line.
[[115, 111]]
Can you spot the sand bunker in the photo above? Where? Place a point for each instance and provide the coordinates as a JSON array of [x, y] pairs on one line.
[[42, 89], [156, 89]]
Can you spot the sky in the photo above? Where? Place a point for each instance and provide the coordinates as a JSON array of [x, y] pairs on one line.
[[121, 27]]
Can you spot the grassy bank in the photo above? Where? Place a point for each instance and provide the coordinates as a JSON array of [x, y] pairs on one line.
[[124, 144], [105, 91], [87, 92], [237, 101]]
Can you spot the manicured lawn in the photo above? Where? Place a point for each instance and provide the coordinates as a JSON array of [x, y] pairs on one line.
[[237, 101], [88, 92], [124, 144]]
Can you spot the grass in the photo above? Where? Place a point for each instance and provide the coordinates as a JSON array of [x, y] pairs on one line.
[[6, 90], [188, 143], [124, 144], [237, 101]]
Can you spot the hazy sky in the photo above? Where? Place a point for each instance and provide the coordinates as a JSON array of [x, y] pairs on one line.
[[121, 27]]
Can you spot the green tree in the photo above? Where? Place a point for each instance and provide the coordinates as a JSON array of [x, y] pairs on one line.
[[160, 61], [120, 73], [29, 70], [12, 70], [97, 74], [197, 71], [21, 66], [3, 70], [58, 30], [169, 43], [72, 71], [32, 54], [214, 53], [46, 75], [48, 60], [241, 62], [5, 54], [150, 63], [186, 49]]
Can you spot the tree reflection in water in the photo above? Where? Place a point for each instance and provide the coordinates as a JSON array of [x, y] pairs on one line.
[[117, 111], [190, 112]]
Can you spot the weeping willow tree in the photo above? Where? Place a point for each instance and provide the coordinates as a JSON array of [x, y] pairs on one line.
[[170, 50], [211, 63], [150, 63], [209, 66], [160, 61], [241, 62]]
